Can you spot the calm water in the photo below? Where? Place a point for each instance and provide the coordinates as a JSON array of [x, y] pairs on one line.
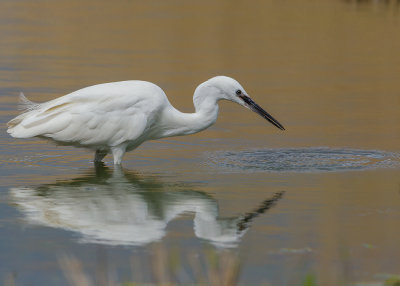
[[320, 201]]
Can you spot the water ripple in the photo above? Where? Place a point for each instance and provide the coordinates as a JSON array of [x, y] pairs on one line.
[[304, 160]]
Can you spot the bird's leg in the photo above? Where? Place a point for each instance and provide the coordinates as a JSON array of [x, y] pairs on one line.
[[99, 155], [118, 152]]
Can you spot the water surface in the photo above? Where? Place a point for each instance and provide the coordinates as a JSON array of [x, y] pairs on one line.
[[276, 205], [303, 160]]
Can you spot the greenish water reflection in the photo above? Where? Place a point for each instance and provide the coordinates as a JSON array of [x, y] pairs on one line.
[[119, 207]]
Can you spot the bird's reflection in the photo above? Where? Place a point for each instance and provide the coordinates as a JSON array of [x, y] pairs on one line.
[[123, 208]]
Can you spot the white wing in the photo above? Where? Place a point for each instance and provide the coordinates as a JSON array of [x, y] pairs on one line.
[[105, 114]]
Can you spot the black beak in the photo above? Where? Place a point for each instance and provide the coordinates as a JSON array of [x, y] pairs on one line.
[[258, 109]]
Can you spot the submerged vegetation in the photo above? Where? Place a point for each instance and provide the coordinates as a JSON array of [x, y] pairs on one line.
[[165, 268]]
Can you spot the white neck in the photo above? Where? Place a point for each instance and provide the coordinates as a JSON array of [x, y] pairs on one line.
[[176, 123]]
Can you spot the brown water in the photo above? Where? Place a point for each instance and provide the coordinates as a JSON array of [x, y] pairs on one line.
[[327, 70]]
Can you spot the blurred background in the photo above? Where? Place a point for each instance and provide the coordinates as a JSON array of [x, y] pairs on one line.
[[327, 70]]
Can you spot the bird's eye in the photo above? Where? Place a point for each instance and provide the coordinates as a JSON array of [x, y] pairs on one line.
[[238, 92]]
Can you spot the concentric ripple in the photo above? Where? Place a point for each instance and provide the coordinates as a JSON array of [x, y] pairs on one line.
[[304, 160]]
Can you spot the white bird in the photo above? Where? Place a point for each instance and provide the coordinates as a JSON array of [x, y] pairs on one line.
[[117, 117]]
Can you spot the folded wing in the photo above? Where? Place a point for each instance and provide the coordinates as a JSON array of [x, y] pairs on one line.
[[82, 120]]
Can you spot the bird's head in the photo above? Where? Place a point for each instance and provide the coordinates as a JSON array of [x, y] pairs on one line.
[[229, 89]]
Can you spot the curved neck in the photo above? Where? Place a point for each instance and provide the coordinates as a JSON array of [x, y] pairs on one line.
[[176, 123]]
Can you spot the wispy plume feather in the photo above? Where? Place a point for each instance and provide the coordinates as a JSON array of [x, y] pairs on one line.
[[25, 104]]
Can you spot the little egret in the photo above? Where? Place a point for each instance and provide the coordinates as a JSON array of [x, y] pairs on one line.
[[117, 117]]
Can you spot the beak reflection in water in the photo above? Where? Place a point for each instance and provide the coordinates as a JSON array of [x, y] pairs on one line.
[[259, 110], [123, 208]]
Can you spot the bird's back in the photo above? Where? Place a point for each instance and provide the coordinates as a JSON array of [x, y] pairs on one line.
[[103, 114]]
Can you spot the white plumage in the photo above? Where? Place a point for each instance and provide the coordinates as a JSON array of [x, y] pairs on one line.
[[119, 116]]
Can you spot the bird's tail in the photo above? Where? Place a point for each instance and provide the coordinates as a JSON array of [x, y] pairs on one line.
[[25, 104]]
